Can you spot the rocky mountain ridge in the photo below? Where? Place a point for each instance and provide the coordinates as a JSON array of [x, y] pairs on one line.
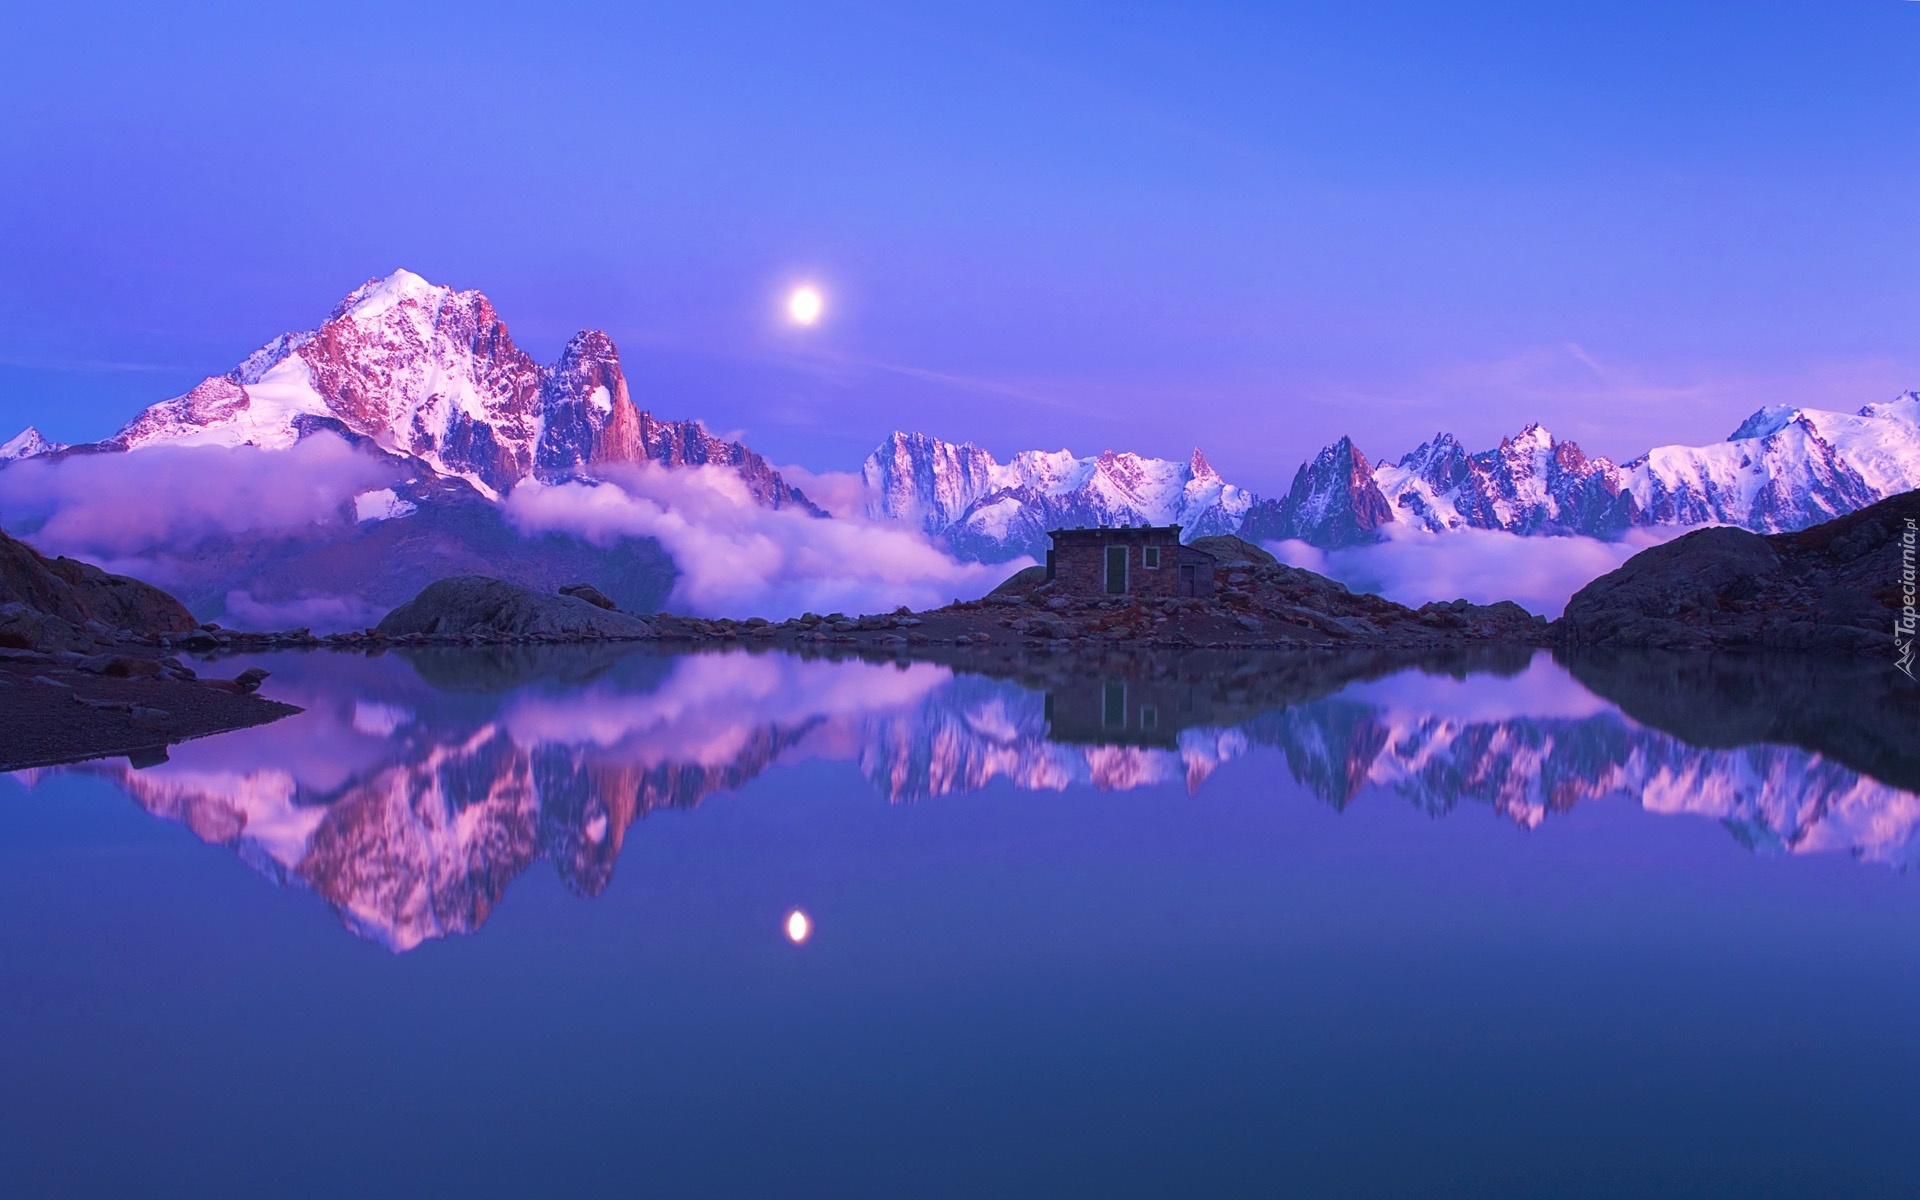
[[1783, 469], [432, 375], [990, 511]]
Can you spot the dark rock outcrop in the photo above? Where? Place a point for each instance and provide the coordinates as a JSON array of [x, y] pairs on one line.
[[475, 605], [83, 671], [591, 594], [61, 603], [1834, 588], [1022, 581]]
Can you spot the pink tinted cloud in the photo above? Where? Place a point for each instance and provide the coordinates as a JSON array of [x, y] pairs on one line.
[[1482, 565], [843, 493], [112, 507], [737, 558]]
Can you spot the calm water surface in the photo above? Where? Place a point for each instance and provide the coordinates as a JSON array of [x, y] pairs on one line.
[[516, 924]]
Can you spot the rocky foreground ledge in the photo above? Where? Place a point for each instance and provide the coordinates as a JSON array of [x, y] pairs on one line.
[[83, 672], [1837, 588]]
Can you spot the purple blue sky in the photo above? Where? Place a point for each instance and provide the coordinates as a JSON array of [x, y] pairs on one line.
[[1248, 227]]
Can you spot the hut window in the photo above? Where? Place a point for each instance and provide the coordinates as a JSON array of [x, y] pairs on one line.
[[1150, 558]]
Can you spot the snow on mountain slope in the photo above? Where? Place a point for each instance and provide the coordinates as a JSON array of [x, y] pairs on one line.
[[991, 511], [431, 374], [1782, 469], [27, 444]]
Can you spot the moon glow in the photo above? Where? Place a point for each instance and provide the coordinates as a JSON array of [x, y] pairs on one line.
[[799, 928], [804, 305]]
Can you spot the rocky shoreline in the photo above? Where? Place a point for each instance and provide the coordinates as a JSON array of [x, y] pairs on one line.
[[85, 671], [1836, 588], [89, 661]]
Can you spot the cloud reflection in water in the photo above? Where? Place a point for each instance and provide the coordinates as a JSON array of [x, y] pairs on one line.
[[414, 789]]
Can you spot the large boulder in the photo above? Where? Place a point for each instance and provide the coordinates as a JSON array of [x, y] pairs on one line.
[[122, 602], [59, 599], [1833, 588], [477, 605]]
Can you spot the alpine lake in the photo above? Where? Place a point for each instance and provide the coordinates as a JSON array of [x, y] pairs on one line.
[[611, 921]]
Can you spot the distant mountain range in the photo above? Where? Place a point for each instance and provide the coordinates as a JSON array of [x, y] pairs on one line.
[[429, 379], [1783, 469], [991, 511]]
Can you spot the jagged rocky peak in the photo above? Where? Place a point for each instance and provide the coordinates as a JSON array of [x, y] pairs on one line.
[[924, 481], [1334, 502], [589, 414], [28, 444], [1785, 467], [431, 373], [992, 511], [1441, 462]]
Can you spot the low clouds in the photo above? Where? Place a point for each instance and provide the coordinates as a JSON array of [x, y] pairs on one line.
[[133, 510], [737, 558], [842, 493], [152, 513], [1481, 565], [146, 513]]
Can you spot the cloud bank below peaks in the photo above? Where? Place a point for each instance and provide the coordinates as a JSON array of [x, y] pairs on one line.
[[136, 511], [738, 558], [1481, 565]]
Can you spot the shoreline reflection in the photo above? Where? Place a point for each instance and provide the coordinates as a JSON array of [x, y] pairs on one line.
[[416, 787]]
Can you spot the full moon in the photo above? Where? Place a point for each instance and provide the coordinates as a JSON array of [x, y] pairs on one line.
[[804, 305], [799, 929]]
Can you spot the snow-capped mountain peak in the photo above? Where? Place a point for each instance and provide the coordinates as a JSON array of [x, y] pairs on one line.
[[376, 296], [1785, 467], [992, 511], [27, 444], [431, 373]]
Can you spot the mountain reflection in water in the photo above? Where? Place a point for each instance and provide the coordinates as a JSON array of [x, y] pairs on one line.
[[415, 787]]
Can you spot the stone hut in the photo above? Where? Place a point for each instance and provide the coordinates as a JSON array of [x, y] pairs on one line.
[[1128, 560]]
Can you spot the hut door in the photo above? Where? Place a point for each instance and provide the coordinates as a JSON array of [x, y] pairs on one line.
[[1116, 569], [1189, 580]]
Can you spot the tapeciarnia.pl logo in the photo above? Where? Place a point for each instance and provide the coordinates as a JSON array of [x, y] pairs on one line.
[[1904, 624]]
